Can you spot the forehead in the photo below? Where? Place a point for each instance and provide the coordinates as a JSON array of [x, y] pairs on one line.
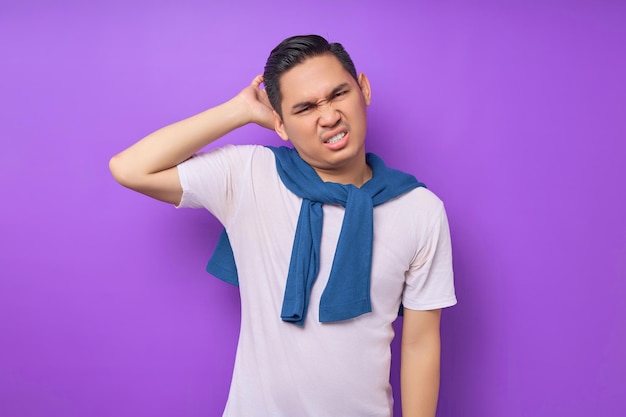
[[313, 79]]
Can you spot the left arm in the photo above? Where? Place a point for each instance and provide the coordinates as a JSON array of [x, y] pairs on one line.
[[419, 369]]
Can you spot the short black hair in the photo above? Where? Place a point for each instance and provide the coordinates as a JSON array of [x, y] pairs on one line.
[[293, 51]]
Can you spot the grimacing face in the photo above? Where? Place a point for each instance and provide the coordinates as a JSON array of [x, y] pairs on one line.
[[324, 116]]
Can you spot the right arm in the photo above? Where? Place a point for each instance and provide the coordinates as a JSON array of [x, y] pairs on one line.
[[149, 166]]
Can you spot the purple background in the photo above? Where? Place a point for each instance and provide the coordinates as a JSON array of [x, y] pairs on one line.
[[513, 112]]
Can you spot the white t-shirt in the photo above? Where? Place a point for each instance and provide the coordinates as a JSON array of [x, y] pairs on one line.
[[336, 369]]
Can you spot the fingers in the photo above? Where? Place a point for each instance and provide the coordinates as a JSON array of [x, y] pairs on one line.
[[256, 82]]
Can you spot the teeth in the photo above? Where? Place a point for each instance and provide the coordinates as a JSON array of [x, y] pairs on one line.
[[336, 138]]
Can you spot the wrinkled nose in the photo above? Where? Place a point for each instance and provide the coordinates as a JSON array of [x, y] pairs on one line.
[[329, 117]]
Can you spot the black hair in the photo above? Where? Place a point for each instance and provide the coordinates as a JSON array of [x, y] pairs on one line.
[[293, 51]]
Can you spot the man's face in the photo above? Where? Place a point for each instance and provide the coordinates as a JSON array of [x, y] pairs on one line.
[[324, 116]]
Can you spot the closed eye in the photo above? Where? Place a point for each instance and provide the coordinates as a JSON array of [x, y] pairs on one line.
[[302, 109], [339, 91], [336, 93]]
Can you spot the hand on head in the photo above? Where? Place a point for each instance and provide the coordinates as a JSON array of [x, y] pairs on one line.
[[255, 98]]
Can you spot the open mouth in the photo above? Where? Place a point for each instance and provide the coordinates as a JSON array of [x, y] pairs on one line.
[[336, 138]]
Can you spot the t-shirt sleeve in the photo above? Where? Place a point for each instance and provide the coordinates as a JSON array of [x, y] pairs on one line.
[[429, 282], [212, 179]]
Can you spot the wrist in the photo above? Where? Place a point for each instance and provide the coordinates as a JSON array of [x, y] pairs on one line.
[[238, 111]]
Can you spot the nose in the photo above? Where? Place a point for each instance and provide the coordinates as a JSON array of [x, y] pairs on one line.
[[329, 117]]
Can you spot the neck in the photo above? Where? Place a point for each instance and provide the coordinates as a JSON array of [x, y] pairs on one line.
[[355, 175]]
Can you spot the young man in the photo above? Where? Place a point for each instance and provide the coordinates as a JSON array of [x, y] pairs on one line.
[[327, 241]]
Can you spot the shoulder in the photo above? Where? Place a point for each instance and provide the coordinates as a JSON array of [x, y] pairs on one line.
[[421, 202], [227, 156], [236, 152], [410, 218]]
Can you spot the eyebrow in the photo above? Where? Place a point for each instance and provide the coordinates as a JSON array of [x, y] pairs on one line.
[[305, 104]]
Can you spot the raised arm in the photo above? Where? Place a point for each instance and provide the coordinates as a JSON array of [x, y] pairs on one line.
[[149, 166]]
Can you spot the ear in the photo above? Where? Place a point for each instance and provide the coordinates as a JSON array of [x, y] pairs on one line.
[[279, 127], [364, 83]]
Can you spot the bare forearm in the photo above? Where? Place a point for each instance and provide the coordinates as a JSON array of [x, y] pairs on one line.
[[175, 143], [148, 166], [420, 379], [419, 368]]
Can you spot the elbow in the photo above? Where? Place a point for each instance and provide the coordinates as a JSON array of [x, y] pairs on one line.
[[120, 170], [115, 167]]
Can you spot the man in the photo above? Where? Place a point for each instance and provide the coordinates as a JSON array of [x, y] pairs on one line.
[[327, 241]]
